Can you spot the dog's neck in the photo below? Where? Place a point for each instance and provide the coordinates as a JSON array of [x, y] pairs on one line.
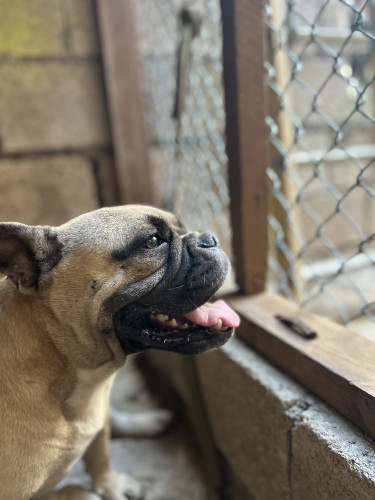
[[26, 347], [38, 359], [21, 324], [34, 333]]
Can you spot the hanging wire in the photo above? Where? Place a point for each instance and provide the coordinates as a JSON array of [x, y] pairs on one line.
[[184, 110]]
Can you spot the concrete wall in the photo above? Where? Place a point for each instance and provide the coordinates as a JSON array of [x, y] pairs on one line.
[[54, 135], [278, 441]]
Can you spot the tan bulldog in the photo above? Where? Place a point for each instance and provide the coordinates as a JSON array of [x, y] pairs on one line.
[[75, 300]]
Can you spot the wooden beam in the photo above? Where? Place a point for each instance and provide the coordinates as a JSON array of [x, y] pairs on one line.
[[337, 365], [116, 26], [243, 56]]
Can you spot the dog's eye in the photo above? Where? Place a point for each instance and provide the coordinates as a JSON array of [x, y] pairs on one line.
[[153, 242]]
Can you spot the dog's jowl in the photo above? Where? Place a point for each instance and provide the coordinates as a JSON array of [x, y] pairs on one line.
[[75, 300]]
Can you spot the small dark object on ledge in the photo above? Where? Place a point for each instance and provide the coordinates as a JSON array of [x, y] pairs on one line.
[[297, 326]]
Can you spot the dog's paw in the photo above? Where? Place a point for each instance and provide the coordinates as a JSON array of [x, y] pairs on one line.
[[115, 486], [147, 423]]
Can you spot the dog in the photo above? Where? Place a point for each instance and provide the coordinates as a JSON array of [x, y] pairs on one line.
[[75, 301]]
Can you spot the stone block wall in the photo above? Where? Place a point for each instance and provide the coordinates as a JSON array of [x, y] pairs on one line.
[[274, 440], [55, 145]]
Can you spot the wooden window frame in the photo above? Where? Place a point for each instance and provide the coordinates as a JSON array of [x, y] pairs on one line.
[[337, 365]]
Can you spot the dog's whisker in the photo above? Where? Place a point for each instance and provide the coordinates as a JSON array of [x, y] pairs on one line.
[[192, 303], [175, 288]]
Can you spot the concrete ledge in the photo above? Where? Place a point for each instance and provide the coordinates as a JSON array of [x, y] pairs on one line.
[[247, 401], [278, 440], [330, 458]]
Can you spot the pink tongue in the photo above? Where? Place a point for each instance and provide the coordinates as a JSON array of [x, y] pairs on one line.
[[210, 313]]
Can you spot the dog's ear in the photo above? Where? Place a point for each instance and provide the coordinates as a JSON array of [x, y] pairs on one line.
[[27, 254]]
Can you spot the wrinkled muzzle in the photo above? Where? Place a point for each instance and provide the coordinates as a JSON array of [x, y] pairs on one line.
[[175, 314]]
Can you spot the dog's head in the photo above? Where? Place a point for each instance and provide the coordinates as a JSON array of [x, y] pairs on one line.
[[129, 276]]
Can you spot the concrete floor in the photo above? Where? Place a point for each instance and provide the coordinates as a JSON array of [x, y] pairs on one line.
[[168, 466]]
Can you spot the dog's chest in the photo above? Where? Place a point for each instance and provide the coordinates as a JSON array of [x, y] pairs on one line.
[[87, 410], [90, 392], [88, 406]]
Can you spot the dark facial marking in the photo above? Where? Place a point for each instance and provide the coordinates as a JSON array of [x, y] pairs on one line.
[[161, 230], [161, 227], [126, 251]]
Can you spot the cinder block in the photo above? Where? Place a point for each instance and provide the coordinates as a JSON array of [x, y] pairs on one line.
[[248, 404], [31, 28], [83, 36], [331, 459], [54, 105], [48, 190]]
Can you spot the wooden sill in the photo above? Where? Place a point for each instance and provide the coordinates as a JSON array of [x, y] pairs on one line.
[[337, 365]]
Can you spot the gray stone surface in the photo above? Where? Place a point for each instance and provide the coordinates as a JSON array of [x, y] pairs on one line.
[[246, 400], [46, 190], [278, 439], [331, 459], [52, 105]]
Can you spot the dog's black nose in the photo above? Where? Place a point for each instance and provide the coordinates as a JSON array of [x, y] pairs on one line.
[[207, 240]]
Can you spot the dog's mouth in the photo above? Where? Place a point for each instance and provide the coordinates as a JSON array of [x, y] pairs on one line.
[[199, 330]]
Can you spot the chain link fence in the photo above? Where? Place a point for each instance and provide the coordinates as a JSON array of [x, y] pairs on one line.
[[188, 159], [320, 74], [321, 92]]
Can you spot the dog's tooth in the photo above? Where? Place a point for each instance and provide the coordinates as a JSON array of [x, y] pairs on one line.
[[218, 325], [184, 326], [173, 322], [162, 317]]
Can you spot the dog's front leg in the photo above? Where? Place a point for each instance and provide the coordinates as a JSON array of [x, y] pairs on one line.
[[108, 483]]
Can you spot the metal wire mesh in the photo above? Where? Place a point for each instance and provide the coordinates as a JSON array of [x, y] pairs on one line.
[[189, 172], [320, 73]]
